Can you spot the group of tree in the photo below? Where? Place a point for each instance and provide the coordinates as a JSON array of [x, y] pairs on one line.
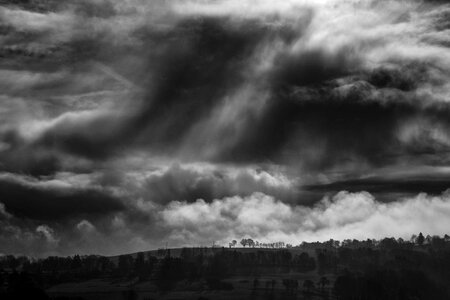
[[256, 244], [415, 240], [192, 264]]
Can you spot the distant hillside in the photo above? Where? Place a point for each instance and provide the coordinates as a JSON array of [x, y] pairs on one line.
[[209, 251]]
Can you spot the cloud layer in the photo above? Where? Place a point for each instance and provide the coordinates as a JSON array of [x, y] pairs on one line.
[[345, 215], [116, 117]]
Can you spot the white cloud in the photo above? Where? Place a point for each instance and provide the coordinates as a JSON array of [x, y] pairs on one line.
[[3, 213], [346, 215], [48, 233], [37, 22], [85, 226]]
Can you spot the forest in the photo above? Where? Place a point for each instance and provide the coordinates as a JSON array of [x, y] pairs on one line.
[[371, 269]]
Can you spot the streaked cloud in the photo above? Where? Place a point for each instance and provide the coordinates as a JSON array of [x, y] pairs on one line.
[[136, 122]]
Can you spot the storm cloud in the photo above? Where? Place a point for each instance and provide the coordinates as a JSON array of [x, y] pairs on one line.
[[33, 199], [132, 122]]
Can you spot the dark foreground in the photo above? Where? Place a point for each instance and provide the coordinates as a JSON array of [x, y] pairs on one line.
[[386, 269]]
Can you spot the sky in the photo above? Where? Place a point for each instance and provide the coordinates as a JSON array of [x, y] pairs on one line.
[[130, 125]]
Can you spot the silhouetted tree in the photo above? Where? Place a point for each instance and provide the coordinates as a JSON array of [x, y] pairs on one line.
[[420, 239]]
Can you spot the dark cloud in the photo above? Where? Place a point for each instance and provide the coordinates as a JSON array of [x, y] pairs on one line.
[[190, 68], [208, 183], [386, 187], [344, 129], [50, 201], [313, 67], [404, 78], [196, 62], [130, 121], [201, 61], [96, 137]]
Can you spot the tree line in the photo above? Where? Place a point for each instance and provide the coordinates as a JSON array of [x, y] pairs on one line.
[[415, 240]]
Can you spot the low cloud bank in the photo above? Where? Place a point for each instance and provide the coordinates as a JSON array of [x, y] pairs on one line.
[[344, 215], [262, 217]]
